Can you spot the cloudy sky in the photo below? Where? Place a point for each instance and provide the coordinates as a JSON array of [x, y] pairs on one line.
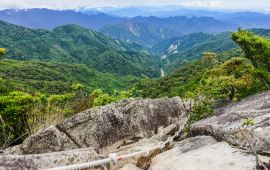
[[263, 5]]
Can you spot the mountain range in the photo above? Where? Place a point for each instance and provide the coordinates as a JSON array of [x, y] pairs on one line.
[[145, 30], [49, 19], [106, 48], [150, 30]]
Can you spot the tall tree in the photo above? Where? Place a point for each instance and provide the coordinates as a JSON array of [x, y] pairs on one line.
[[210, 59]]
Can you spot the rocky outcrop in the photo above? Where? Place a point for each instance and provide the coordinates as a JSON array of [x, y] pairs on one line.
[[203, 153], [103, 126], [219, 142], [228, 124]]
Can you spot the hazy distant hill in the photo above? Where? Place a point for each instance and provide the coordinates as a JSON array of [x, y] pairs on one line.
[[75, 44], [248, 19], [49, 19], [142, 33], [151, 30], [158, 11]]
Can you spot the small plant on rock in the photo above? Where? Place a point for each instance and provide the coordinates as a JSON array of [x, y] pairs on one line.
[[249, 122]]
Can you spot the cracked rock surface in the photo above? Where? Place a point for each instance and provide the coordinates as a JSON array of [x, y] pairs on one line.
[[228, 124], [103, 126], [204, 155]]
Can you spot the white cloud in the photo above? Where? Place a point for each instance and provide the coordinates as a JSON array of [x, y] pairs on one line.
[[75, 4], [203, 4]]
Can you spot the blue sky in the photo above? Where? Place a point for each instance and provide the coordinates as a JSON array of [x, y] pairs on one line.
[[263, 5]]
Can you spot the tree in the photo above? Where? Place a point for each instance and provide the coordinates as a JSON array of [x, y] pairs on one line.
[[2, 52], [99, 98], [232, 79], [209, 59], [257, 50]]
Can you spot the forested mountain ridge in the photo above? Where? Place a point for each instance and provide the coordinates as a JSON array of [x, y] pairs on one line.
[[151, 30], [191, 47], [75, 44], [142, 33]]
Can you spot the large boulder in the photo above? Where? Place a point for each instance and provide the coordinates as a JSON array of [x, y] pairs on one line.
[[203, 153], [103, 126], [228, 124], [47, 160]]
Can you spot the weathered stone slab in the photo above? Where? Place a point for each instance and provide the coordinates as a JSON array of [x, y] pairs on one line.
[[100, 127], [229, 123], [103, 126], [219, 156], [48, 160]]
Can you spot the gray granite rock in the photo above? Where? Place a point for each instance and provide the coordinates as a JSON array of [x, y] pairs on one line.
[[48, 160], [7, 163], [229, 123], [219, 156], [130, 167], [103, 126]]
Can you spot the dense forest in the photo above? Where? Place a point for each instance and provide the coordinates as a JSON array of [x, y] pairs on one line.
[[46, 76]]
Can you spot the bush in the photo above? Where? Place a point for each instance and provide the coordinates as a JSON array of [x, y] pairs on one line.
[[202, 109], [15, 110]]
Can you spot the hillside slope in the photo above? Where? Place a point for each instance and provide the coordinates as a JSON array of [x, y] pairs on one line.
[[75, 44], [57, 78], [175, 51]]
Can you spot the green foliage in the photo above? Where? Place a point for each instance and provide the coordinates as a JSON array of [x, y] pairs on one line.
[[202, 108], [57, 78], [192, 46], [199, 45], [4, 85], [22, 114], [233, 79], [99, 98], [2, 52], [77, 45], [256, 49], [15, 109], [178, 83], [209, 59], [77, 86], [249, 122]]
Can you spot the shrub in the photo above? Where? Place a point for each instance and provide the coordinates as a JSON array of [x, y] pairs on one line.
[[202, 108]]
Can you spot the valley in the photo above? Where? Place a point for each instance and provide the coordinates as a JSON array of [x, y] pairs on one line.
[[69, 79]]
